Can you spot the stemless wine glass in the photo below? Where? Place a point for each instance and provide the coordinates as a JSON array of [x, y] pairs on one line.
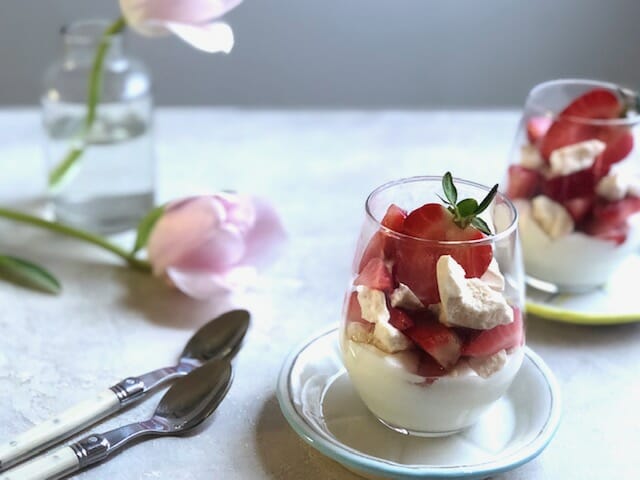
[[419, 370], [573, 176]]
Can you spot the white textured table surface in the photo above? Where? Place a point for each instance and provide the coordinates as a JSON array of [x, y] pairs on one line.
[[317, 167]]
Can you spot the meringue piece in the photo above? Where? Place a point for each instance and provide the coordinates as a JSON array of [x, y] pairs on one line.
[[469, 302], [576, 157], [552, 217]]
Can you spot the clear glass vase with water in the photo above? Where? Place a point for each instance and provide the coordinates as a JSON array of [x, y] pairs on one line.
[[111, 186]]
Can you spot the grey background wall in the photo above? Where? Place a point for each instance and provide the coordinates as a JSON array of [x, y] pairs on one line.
[[354, 53]]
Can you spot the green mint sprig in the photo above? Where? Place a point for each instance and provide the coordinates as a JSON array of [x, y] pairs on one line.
[[465, 212]]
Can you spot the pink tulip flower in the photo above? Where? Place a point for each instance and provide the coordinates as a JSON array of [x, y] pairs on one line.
[[194, 21], [207, 243]]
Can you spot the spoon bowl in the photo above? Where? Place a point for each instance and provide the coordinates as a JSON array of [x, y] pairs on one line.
[[191, 399], [220, 337]]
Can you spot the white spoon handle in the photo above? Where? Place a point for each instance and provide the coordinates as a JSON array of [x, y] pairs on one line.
[[58, 428], [54, 465]]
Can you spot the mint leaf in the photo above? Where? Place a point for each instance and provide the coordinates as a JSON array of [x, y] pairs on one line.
[[27, 274], [467, 207], [145, 227], [484, 204], [481, 225], [449, 188]]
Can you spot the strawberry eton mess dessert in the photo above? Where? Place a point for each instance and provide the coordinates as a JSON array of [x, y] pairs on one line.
[[429, 338], [575, 193]]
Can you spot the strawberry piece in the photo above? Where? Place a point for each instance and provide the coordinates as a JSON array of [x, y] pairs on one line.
[[567, 129], [381, 244], [376, 275], [567, 187], [619, 145], [428, 367], [354, 312], [523, 182], [597, 103], [400, 319], [491, 341], [434, 338], [537, 127], [416, 261], [394, 218], [579, 207], [609, 220]]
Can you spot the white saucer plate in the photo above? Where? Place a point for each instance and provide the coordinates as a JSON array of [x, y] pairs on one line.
[[614, 303], [321, 405]]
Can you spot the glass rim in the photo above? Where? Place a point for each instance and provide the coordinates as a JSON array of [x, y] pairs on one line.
[[612, 122], [448, 243], [87, 31]]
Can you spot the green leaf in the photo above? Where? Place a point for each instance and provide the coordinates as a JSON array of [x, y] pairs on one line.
[[446, 202], [467, 207], [27, 274], [481, 225], [449, 188], [145, 227], [484, 204]]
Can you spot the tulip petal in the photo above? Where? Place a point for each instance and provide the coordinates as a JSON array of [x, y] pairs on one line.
[[267, 236], [213, 37], [183, 227], [194, 12], [223, 248], [202, 285], [240, 210]]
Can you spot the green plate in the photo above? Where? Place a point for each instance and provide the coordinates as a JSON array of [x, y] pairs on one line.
[[615, 303]]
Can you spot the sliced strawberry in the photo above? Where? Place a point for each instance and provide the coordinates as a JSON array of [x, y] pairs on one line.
[[400, 319], [376, 275], [579, 207], [619, 145], [416, 260], [428, 367], [565, 187], [354, 313], [597, 103], [567, 129], [491, 341], [432, 221], [609, 220], [537, 127], [394, 218], [523, 182], [375, 249], [381, 244], [434, 338]]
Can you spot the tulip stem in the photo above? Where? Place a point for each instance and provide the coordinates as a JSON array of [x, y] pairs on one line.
[[76, 150], [97, 240]]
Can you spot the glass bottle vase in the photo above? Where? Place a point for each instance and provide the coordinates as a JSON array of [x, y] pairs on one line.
[[111, 185]]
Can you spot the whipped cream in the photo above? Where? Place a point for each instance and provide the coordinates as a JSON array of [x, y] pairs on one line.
[[573, 261], [392, 391]]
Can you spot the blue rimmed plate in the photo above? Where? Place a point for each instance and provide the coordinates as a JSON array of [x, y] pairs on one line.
[[321, 405]]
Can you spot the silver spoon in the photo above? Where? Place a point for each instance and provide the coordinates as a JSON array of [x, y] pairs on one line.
[[188, 402], [219, 338]]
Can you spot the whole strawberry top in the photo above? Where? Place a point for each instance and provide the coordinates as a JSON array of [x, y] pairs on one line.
[[569, 160], [413, 255]]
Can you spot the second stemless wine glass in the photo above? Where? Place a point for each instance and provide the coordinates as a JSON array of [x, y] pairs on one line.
[[419, 361], [574, 177]]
